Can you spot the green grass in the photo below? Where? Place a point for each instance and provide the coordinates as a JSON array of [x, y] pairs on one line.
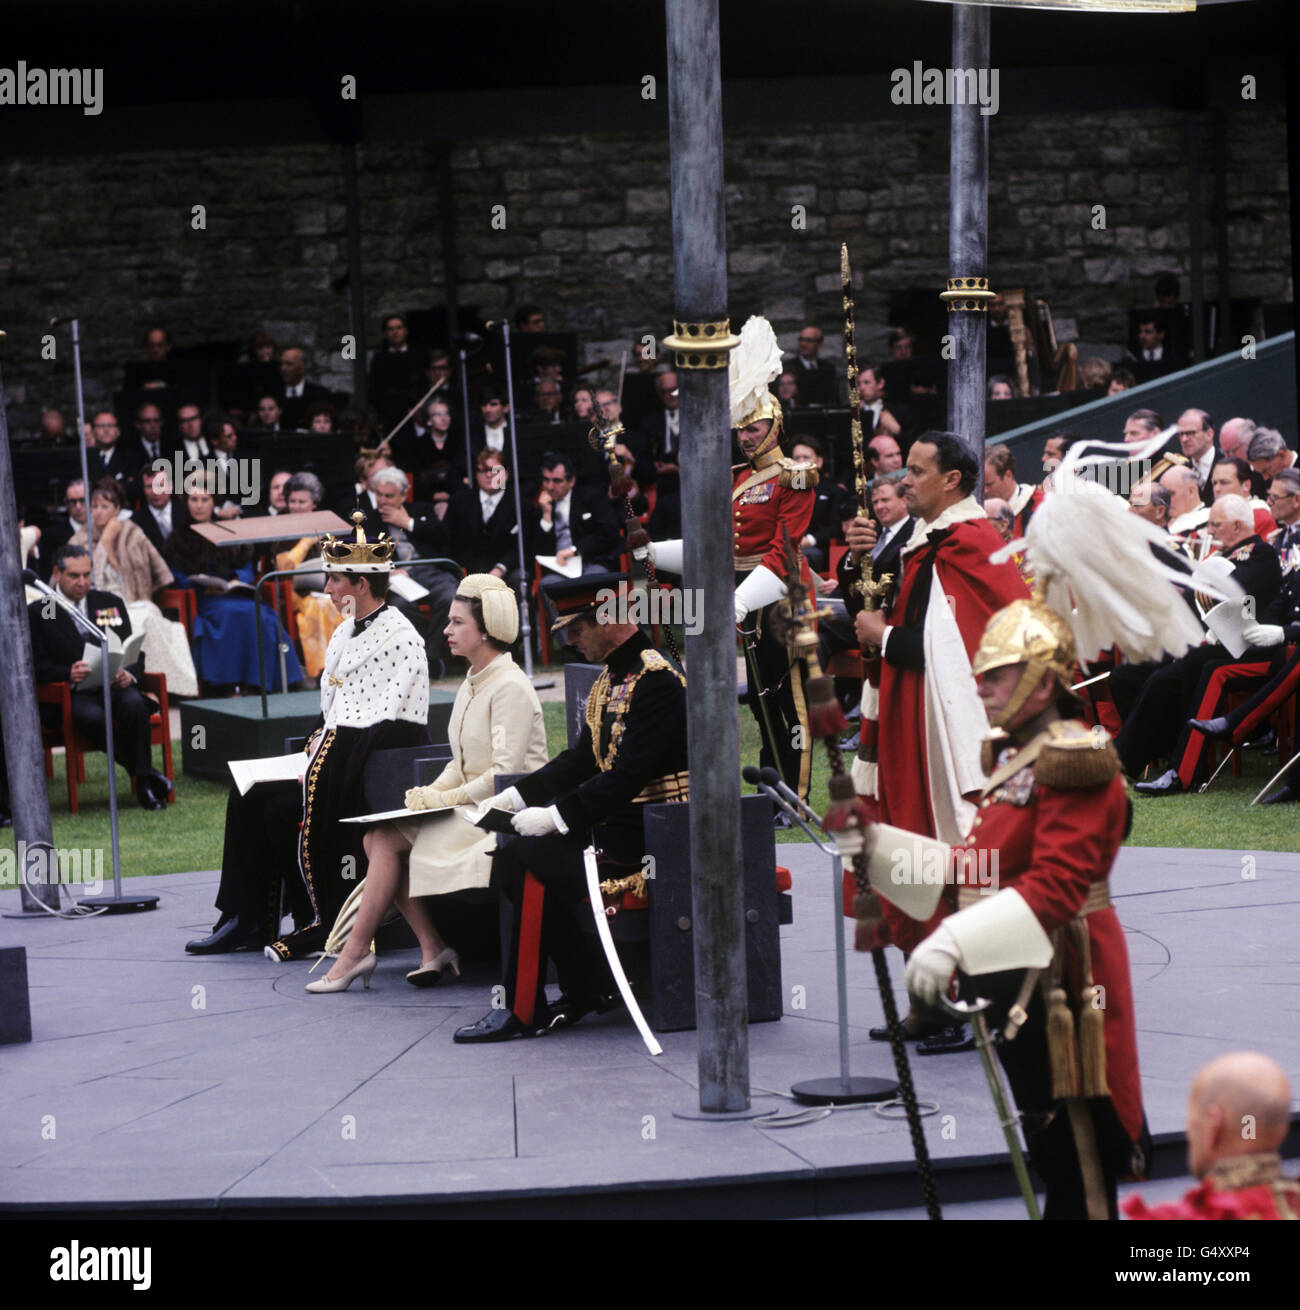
[[189, 834]]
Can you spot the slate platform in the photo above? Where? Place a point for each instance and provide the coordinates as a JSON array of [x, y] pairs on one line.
[[216, 1087]]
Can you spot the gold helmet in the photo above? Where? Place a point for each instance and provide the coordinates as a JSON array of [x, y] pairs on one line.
[[753, 364], [1031, 633]]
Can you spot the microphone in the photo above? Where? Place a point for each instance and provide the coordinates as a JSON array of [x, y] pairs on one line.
[[67, 318], [773, 779], [750, 774], [33, 579]]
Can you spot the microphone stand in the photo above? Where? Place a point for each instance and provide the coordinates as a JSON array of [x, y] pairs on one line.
[[844, 1089], [462, 354], [525, 628], [116, 903]]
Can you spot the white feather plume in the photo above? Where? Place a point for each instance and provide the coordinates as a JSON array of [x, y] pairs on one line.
[[1093, 558], [754, 363]]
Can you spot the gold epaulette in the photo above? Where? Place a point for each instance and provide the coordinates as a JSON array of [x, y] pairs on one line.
[[797, 474], [1072, 755]]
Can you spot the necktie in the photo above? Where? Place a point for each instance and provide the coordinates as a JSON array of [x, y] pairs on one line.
[[563, 537]]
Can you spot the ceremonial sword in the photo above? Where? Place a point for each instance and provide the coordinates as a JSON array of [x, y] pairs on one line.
[[611, 953], [973, 1012]]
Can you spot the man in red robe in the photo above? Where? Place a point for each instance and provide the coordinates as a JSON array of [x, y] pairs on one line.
[[930, 719], [931, 722], [1238, 1115]]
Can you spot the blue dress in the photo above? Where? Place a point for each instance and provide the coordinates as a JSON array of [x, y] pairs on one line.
[[225, 629]]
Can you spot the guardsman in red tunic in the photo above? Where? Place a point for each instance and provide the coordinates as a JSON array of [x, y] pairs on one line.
[[769, 493], [1238, 1115], [1025, 916]]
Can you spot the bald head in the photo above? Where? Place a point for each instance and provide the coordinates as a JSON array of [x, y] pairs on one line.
[[1235, 437], [1240, 1104], [1184, 494]]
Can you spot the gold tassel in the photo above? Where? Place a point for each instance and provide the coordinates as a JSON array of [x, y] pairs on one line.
[[1061, 1048], [1092, 1022]]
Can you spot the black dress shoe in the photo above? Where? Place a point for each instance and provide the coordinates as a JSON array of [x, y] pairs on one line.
[[234, 934], [152, 790], [1167, 784], [915, 1028], [1217, 728], [952, 1039], [568, 1010], [496, 1026], [1284, 794], [1261, 741]]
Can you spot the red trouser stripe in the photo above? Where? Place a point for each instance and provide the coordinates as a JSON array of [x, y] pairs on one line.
[[530, 941], [1208, 707], [1285, 688]]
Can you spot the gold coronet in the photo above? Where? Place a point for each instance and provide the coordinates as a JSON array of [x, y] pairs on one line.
[[361, 556]]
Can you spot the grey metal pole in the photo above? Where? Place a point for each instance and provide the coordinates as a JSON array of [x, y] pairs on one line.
[[700, 273], [968, 293], [28, 799], [81, 427], [356, 287]]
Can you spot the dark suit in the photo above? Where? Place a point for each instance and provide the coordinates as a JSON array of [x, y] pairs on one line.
[[818, 384], [396, 382], [293, 409], [833, 505], [477, 546], [121, 461], [143, 519], [1156, 725], [58, 643], [592, 526]]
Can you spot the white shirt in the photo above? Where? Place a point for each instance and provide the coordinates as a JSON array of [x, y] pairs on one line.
[[495, 438], [1155, 353], [1203, 467], [874, 409], [488, 502], [196, 449], [295, 390], [889, 534]]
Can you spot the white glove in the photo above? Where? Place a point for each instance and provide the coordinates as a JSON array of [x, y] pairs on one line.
[[646, 552], [667, 555], [932, 966], [510, 799], [762, 587], [535, 821], [1263, 634], [424, 798]]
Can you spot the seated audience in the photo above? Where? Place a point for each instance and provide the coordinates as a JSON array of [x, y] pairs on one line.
[[58, 647], [568, 520], [128, 564], [314, 613], [225, 635]]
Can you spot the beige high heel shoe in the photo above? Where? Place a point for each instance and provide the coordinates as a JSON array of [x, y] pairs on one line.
[[362, 971], [429, 975]]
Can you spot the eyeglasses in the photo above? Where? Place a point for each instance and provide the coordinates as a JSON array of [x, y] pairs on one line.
[[1286, 495], [74, 500]]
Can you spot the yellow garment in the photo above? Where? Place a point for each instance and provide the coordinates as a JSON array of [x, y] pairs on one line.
[[315, 614], [496, 727]]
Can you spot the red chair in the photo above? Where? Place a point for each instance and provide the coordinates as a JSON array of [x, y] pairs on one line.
[[76, 747]]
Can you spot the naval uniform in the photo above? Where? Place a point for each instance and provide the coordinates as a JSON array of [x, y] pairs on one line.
[[632, 752]]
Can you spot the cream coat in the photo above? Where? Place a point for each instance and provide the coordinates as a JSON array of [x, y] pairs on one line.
[[496, 727]]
